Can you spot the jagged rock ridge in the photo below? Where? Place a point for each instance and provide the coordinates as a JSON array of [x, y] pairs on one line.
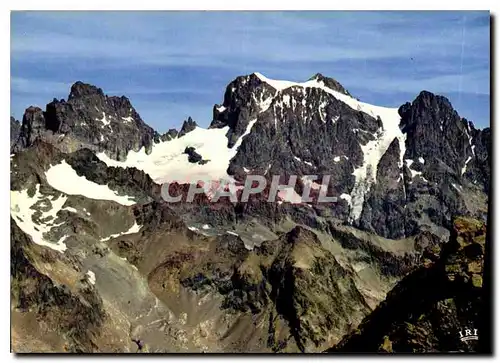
[[88, 119]]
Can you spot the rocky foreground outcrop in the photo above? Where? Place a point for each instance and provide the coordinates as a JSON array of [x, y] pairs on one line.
[[430, 309]]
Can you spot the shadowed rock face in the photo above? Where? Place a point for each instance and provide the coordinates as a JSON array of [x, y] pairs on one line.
[[169, 135], [295, 139], [32, 127], [384, 210], [242, 102], [428, 309], [15, 129], [438, 134], [193, 156]]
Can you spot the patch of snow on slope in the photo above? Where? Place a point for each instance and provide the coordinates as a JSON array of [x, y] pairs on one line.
[[337, 158], [465, 166], [91, 276], [346, 197], [470, 139], [302, 161], [134, 229], [128, 119], [373, 152], [168, 163], [65, 179], [414, 173], [104, 120], [313, 83], [278, 85], [456, 187], [286, 100], [289, 195], [263, 102], [322, 112], [22, 213]]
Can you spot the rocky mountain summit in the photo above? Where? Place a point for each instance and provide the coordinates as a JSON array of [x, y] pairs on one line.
[[100, 261], [88, 119]]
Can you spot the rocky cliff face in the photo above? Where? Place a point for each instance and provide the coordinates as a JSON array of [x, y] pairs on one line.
[[431, 308], [76, 313], [440, 175], [15, 129], [294, 278]]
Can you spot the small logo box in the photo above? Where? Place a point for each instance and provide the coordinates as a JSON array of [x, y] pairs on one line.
[[468, 334]]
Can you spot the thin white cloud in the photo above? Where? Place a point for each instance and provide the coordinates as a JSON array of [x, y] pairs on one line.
[[476, 83], [275, 37], [37, 86]]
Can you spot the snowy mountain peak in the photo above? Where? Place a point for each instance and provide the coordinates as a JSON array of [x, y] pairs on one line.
[[278, 127], [330, 83], [318, 81]]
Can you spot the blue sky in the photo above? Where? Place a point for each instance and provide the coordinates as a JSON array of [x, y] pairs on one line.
[[177, 64]]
